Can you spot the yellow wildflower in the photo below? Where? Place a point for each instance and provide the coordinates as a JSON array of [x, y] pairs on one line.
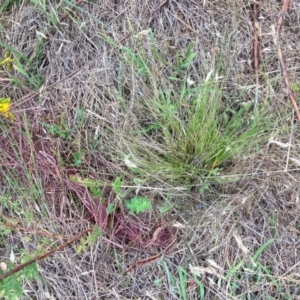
[[5, 109]]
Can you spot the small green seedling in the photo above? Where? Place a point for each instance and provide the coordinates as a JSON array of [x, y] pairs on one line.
[[78, 158], [97, 192], [183, 62], [90, 240], [111, 207], [57, 130], [117, 185], [138, 205], [295, 87]]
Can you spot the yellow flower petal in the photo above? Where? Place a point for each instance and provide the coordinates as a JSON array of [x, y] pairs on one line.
[[5, 109]]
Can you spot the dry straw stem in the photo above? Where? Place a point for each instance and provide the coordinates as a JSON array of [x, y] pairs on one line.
[[151, 259], [159, 7], [284, 10], [256, 49]]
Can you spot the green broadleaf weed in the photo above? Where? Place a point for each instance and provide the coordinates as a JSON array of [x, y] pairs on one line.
[[138, 205]]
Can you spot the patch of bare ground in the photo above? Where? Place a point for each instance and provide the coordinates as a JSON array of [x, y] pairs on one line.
[[237, 240]]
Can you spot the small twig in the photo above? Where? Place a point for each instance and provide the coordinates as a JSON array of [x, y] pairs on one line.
[[159, 7], [289, 145], [42, 256], [151, 259], [285, 8]]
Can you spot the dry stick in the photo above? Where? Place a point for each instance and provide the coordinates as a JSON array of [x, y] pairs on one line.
[[159, 7], [42, 256], [151, 259], [284, 10], [256, 50]]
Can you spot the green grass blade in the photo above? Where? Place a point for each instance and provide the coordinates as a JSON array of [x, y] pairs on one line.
[[233, 270], [183, 283], [201, 288], [14, 51], [261, 249]]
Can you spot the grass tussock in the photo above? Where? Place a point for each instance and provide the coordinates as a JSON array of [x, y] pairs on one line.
[[181, 126], [140, 119]]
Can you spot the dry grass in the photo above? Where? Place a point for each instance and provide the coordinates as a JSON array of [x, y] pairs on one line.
[[96, 112]]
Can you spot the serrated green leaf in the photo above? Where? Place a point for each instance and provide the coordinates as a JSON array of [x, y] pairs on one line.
[[111, 207], [138, 204], [117, 185]]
